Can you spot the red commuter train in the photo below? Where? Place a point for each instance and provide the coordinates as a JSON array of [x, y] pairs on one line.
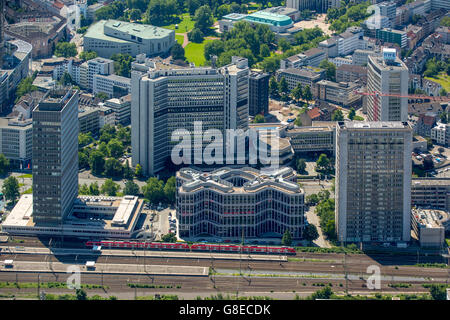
[[196, 247]]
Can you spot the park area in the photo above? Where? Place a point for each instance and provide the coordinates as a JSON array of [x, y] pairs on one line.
[[443, 79]]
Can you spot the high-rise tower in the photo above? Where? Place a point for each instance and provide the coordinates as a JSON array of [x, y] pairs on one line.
[[373, 181], [55, 155]]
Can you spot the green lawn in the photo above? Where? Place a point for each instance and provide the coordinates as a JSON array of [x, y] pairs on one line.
[[443, 79], [185, 25], [28, 175], [179, 38], [448, 242], [194, 52]]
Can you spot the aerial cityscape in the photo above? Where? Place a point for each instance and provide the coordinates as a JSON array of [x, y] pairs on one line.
[[224, 150]]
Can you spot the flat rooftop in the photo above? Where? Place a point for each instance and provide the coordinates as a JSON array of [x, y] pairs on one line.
[[122, 212], [430, 218], [375, 125], [144, 31], [97, 31], [256, 180]]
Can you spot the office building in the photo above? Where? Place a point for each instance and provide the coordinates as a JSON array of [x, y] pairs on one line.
[[440, 134], [93, 217], [88, 119], [231, 203], [311, 139], [306, 76], [430, 225], [258, 102], [387, 75], [311, 57], [94, 67], [440, 4], [55, 156], [16, 57], [16, 141], [167, 98], [321, 6], [392, 36], [113, 85], [342, 93], [361, 57], [122, 109], [113, 36], [431, 193], [373, 181], [351, 73]]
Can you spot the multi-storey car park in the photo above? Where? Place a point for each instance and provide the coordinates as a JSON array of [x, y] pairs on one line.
[[231, 203]]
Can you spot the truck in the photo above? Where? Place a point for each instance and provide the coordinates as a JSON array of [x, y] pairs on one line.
[[402, 245]]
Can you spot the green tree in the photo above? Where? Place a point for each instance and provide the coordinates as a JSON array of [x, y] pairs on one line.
[[94, 189], [301, 165], [170, 190], [81, 294], [25, 86], [83, 189], [84, 139], [115, 148], [307, 95], [122, 64], [330, 69], [297, 93], [135, 14], [65, 49], [139, 172], [284, 44], [170, 237], [259, 118], [203, 18], [264, 50], [196, 35], [273, 87], [324, 293], [160, 12], [298, 121], [102, 96], [438, 292], [127, 171], [110, 188], [97, 162], [113, 168], [337, 115], [83, 160], [4, 164], [283, 85], [131, 188], [154, 190], [443, 92], [177, 52], [312, 199], [352, 114], [323, 195], [286, 240], [310, 233], [323, 163], [10, 189], [66, 79], [88, 55]]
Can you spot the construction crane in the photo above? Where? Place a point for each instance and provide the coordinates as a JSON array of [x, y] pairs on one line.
[[377, 96]]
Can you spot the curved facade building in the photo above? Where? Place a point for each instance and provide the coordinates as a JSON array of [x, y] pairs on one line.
[[231, 203]]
